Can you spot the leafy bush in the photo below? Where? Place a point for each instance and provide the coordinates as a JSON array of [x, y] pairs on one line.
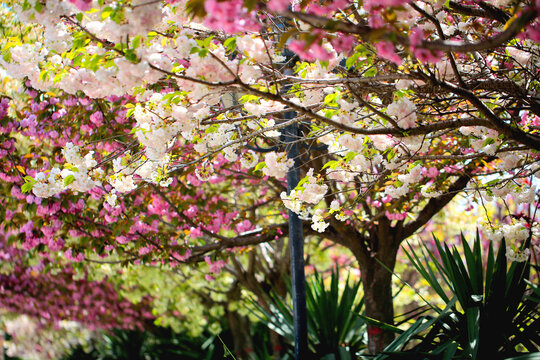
[[491, 313], [335, 329], [144, 345]]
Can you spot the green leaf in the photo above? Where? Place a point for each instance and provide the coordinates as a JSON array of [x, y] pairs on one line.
[[425, 270], [117, 16], [351, 61], [488, 141], [329, 357], [391, 154], [43, 75], [330, 99], [69, 179], [26, 5], [203, 53], [474, 267], [248, 98], [260, 166], [38, 6], [331, 164], [473, 330], [130, 55], [300, 184], [534, 356], [106, 13], [230, 44], [350, 155], [58, 77], [401, 341], [6, 55], [335, 325], [207, 41], [27, 187], [371, 72], [136, 42]]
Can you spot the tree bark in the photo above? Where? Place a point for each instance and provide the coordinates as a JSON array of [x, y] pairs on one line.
[[239, 326], [380, 247], [240, 329], [377, 285]]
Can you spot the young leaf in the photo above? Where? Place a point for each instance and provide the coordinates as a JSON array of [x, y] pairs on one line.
[[68, 180], [260, 166], [27, 187]]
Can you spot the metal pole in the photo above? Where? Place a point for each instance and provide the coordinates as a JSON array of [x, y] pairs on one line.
[[296, 234], [296, 243]]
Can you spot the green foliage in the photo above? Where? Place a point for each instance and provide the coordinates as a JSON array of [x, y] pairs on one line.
[[230, 44], [156, 345], [69, 179], [335, 329], [130, 55], [28, 184], [260, 166], [491, 313]]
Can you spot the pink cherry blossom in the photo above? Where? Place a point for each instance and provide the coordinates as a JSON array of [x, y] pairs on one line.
[[385, 49]]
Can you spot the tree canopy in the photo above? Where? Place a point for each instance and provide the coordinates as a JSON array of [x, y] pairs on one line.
[[158, 131]]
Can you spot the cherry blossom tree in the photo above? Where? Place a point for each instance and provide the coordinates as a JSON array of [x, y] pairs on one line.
[[153, 131], [60, 293]]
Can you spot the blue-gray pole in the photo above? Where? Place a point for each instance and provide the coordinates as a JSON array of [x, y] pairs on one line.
[[296, 234], [296, 243]]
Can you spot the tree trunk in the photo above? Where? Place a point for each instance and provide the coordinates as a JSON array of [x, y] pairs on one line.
[[240, 329], [377, 285], [239, 326], [381, 247]]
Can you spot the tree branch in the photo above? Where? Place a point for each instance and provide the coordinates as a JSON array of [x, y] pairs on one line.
[[497, 123], [367, 33], [435, 205]]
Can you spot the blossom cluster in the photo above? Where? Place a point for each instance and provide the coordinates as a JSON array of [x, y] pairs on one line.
[[165, 119]]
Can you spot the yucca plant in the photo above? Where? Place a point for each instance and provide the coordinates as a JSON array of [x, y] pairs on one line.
[[491, 312], [160, 344], [335, 329]]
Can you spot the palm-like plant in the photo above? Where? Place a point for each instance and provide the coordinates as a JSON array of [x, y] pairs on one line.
[[160, 344], [335, 329], [491, 314]]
